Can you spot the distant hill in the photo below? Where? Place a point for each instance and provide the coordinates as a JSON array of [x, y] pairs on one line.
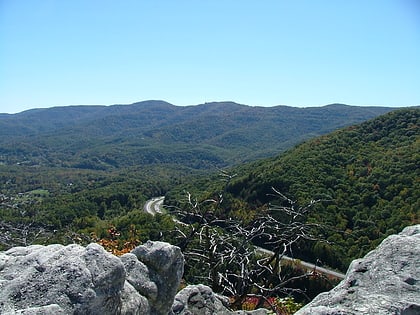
[[367, 177], [155, 132]]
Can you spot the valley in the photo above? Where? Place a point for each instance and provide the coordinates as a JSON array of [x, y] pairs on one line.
[[78, 174]]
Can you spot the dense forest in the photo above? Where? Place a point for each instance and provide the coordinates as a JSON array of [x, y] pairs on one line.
[[74, 168], [366, 178], [361, 182], [155, 133]]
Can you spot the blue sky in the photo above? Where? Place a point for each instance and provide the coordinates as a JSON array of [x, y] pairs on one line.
[[262, 53]]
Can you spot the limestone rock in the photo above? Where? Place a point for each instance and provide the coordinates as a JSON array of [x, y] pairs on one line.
[[386, 281], [52, 309], [165, 265], [201, 300], [73, 279]]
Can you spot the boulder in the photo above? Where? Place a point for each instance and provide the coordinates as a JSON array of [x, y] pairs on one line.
[[165, 264], [73, 279], [386, 281], [52, 309], [201, 300]]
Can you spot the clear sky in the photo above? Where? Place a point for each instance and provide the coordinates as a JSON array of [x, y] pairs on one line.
[[260, 52]]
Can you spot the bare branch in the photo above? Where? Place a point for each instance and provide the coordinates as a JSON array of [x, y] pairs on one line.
[[225, 250]]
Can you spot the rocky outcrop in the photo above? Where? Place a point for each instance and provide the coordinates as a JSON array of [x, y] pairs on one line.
[[386, 281], [72, 279]]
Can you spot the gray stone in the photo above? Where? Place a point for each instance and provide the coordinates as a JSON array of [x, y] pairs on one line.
[[133, 302], [165, 265], [72, 279], [201, 300], [52, 309], [198, 300], [384, 282], [138, 276], [75, 278]]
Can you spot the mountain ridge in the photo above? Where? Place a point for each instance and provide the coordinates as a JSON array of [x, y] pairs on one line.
[[221, 133], [78, 111]]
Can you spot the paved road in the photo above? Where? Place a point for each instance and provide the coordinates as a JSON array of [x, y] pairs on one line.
[[154, 205], [307, 265]]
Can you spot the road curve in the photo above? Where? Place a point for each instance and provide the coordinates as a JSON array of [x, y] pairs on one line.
[[153, 206]]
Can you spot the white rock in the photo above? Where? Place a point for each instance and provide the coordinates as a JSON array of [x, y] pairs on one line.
[[384, 282]]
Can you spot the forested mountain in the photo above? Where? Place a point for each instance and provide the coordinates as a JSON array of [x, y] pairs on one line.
[[155, 132], [366, 178], [83, 174], [83, 168]]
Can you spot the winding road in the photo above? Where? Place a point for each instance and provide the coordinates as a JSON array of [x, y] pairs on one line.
[[154, 206], [307, 265]]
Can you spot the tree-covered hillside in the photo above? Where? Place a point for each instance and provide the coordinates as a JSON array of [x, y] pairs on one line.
[[366, 176], [155, 132], [96, 167]]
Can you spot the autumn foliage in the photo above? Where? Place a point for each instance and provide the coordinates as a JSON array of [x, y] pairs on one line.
[[115, 244]]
